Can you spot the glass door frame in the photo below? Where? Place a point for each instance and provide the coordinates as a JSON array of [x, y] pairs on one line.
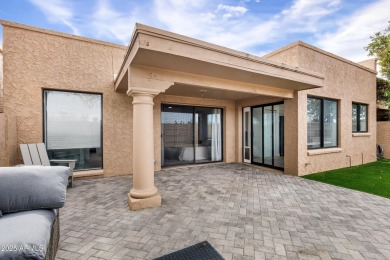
[[249, 131], [251, 135]]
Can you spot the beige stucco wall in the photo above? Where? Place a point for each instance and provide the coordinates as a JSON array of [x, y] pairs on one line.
[[8, 142], [383, 137], [3, 141], [1, 80], [40, 59], [371, 63], [346, 82]]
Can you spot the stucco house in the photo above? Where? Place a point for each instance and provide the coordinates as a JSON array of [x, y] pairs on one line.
[[1, 79], [168, 100]]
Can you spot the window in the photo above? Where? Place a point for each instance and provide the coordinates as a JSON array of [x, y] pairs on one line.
[[359, 117], [73, 127], [321, 123]]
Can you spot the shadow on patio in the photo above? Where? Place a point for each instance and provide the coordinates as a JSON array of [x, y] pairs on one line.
[[244, 212]]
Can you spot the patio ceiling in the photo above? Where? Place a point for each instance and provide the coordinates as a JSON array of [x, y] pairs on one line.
[[154, 48], [206, 92]]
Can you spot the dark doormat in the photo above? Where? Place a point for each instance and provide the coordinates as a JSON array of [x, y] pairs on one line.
[[203, 250]]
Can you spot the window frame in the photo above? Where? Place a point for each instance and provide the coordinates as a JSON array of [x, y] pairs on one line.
[[44, 118], [322, 99], [358, 117]]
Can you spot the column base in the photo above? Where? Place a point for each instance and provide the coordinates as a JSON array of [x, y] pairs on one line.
[[138, 204]]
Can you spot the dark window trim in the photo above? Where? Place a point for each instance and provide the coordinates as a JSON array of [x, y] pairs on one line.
[[193, 140], [322, 99], [44, 116], [358, 117]]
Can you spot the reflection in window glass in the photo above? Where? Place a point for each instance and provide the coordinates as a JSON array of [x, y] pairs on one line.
[[354, 117], [313, 123], [268, 140], [73, 127], [257, 146], [247, 131], [359, 117], [363, 118], [208, 140], [246, 120], [330, 123]]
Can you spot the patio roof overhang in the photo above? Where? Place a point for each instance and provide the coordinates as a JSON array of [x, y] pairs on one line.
[[153, 51]]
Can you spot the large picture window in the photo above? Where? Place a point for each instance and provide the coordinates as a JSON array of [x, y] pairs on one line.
[[359, 117], [322, 124], [73, 127]]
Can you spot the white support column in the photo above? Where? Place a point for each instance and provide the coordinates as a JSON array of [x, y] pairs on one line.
[[143, 194]]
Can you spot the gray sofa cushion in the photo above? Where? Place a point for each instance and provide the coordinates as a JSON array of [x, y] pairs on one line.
[[26, 235], [32, 187]]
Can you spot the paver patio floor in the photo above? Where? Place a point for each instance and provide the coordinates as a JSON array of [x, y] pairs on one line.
[[244, 212]]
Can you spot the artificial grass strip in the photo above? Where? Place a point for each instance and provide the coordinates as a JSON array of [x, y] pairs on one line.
[[372, 177]]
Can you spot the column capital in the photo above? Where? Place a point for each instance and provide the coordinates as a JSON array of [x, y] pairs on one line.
[[134, 91]]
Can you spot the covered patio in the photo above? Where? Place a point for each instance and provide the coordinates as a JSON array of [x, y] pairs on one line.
[[161, 67], [243, 211]]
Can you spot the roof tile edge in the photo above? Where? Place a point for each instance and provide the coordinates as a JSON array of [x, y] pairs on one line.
[[311, 47], [59, 34]]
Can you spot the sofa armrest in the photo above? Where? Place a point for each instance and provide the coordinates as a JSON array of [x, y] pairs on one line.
[[54, 239]]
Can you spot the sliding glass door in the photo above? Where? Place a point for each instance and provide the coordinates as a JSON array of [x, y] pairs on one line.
[[191, 134], [178, 135], [267, 142]]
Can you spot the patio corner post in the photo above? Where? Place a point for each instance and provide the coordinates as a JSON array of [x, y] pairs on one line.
[[143, 193]]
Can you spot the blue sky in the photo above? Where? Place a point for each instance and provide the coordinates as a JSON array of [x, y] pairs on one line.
[[342, 27]]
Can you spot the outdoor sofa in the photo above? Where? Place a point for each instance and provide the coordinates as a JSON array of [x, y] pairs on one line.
[[30, 197]]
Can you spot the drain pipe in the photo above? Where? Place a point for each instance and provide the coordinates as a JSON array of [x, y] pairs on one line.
[[350, 160], [362, 158]]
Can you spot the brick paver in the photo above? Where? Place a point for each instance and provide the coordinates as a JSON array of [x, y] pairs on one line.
[[245, 212]]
